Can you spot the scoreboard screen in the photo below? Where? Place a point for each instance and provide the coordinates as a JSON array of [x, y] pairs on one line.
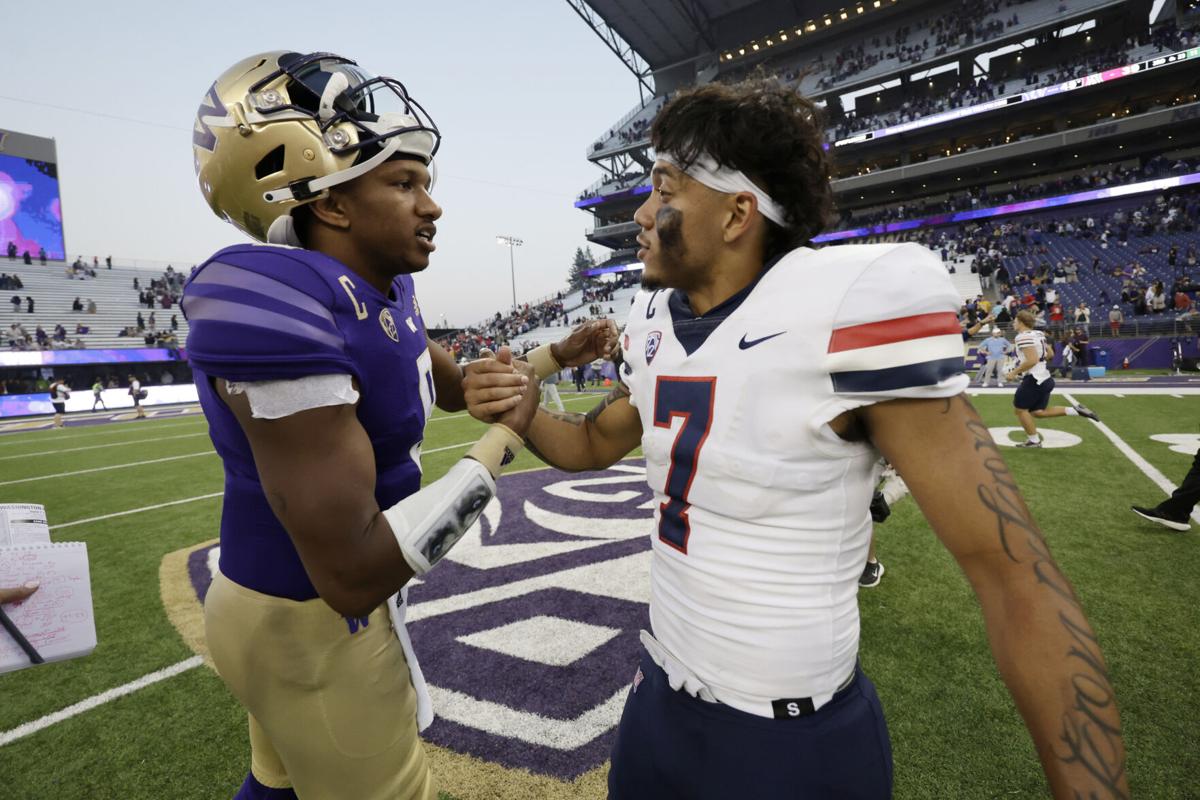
[[30, 209]]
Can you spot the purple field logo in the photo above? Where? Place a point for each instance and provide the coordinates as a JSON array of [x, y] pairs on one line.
[[653, 339], [527, 632]]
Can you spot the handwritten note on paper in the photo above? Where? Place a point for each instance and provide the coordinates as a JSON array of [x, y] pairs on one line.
[[57, 619], [22, 523]]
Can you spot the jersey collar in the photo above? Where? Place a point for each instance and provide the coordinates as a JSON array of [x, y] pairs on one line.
[[691, 329]]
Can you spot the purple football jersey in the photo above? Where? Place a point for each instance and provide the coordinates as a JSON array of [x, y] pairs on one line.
[[272, 313]]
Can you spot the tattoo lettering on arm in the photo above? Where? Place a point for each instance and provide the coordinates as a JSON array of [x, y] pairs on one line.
[[570, 417], [1090, 736], [619, 392], [576, 420]]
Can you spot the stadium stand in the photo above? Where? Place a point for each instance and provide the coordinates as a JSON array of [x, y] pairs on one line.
[[1062, 129], [114, 323]]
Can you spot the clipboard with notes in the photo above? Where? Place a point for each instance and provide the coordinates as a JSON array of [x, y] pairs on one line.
[[57, 621]]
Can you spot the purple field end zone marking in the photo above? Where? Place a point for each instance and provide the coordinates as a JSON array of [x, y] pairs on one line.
[[555, 692]]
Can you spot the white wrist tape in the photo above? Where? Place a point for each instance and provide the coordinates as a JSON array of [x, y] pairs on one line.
[[543, 362], [427, 524]]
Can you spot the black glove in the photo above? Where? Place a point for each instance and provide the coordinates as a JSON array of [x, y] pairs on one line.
[[880, 510]]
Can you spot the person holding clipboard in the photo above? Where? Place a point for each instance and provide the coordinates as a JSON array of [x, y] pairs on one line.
[[15, 596]]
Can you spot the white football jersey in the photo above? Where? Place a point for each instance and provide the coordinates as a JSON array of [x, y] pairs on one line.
[[763, 522], [1036, 340]]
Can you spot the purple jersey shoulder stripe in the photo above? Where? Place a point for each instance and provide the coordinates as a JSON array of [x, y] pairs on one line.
[[908, 376], [235, 277], [201, 309], [257, 304]]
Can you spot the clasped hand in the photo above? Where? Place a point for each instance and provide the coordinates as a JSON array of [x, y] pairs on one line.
[[499, 389]]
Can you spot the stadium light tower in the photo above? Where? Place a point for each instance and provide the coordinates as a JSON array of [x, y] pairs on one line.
[[511, 242]]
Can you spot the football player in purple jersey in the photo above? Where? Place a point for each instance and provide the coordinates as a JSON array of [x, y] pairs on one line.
[[316, 376]]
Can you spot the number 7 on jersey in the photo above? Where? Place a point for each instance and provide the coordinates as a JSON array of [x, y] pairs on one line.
[[692, 399]]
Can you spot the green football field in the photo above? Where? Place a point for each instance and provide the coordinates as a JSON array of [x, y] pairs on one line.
[[955, 732]]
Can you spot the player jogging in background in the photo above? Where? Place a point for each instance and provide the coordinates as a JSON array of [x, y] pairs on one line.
[[316, 377], [1032, 399], [763, 380], [60, 393]]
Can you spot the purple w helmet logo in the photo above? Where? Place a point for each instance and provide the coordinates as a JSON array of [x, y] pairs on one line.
[[211, 106]]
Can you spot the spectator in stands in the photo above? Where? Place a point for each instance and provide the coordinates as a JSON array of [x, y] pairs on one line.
[[153, 323], [29, 304], [1183, 304], [1115, 320], [42, 255], [108, 261], [27, 258], [12, 251], [16, 303], [141, 322], [60, 333], [81, 329], [91, 306], [77, 305], [135, 283], [40, 335], [174, 323]]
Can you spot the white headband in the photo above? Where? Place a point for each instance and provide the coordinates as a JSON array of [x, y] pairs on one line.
[[707, 171]]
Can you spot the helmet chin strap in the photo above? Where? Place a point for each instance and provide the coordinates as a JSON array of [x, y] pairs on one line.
[[283, 230]]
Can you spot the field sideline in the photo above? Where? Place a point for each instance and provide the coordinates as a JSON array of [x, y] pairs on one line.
[[137, 491]]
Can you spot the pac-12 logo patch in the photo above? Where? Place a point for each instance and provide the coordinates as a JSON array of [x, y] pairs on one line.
[[389, 325], [653, 339]]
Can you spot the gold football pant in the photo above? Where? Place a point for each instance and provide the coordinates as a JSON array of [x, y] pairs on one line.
[[332, 713]]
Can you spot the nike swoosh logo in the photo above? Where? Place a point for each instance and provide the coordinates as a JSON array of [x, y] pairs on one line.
[[746, 345]]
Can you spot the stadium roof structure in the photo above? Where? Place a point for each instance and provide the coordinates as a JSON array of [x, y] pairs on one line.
[[653, 36]]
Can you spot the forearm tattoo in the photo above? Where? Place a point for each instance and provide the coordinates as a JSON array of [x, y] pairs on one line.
[[620, 391], [1091, 732], [576, 419]]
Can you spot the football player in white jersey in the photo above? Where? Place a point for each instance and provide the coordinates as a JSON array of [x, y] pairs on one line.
[[763, 380], [1032, 399]]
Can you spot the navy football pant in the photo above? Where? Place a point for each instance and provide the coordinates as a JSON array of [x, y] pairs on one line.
[[671, 746], [253, 790]]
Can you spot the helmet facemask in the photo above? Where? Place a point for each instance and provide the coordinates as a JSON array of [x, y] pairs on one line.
[[357, 119]]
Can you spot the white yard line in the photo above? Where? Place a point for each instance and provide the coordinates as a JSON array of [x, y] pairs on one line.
[[106, 469], [565, 400], [101, 446], [1110, 391], [135, 510], [21, 731], [447, 447], [1145, 466], [54, 437]]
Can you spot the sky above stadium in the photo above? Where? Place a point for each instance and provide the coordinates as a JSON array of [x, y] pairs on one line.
[[519, 90]]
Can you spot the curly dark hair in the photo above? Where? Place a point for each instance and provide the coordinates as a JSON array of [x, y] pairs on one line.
[[766, 130]]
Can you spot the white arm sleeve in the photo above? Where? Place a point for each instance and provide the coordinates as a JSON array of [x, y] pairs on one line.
[[427, 524]]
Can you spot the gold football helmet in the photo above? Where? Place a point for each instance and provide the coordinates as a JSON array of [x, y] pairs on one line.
[[276, 130]]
